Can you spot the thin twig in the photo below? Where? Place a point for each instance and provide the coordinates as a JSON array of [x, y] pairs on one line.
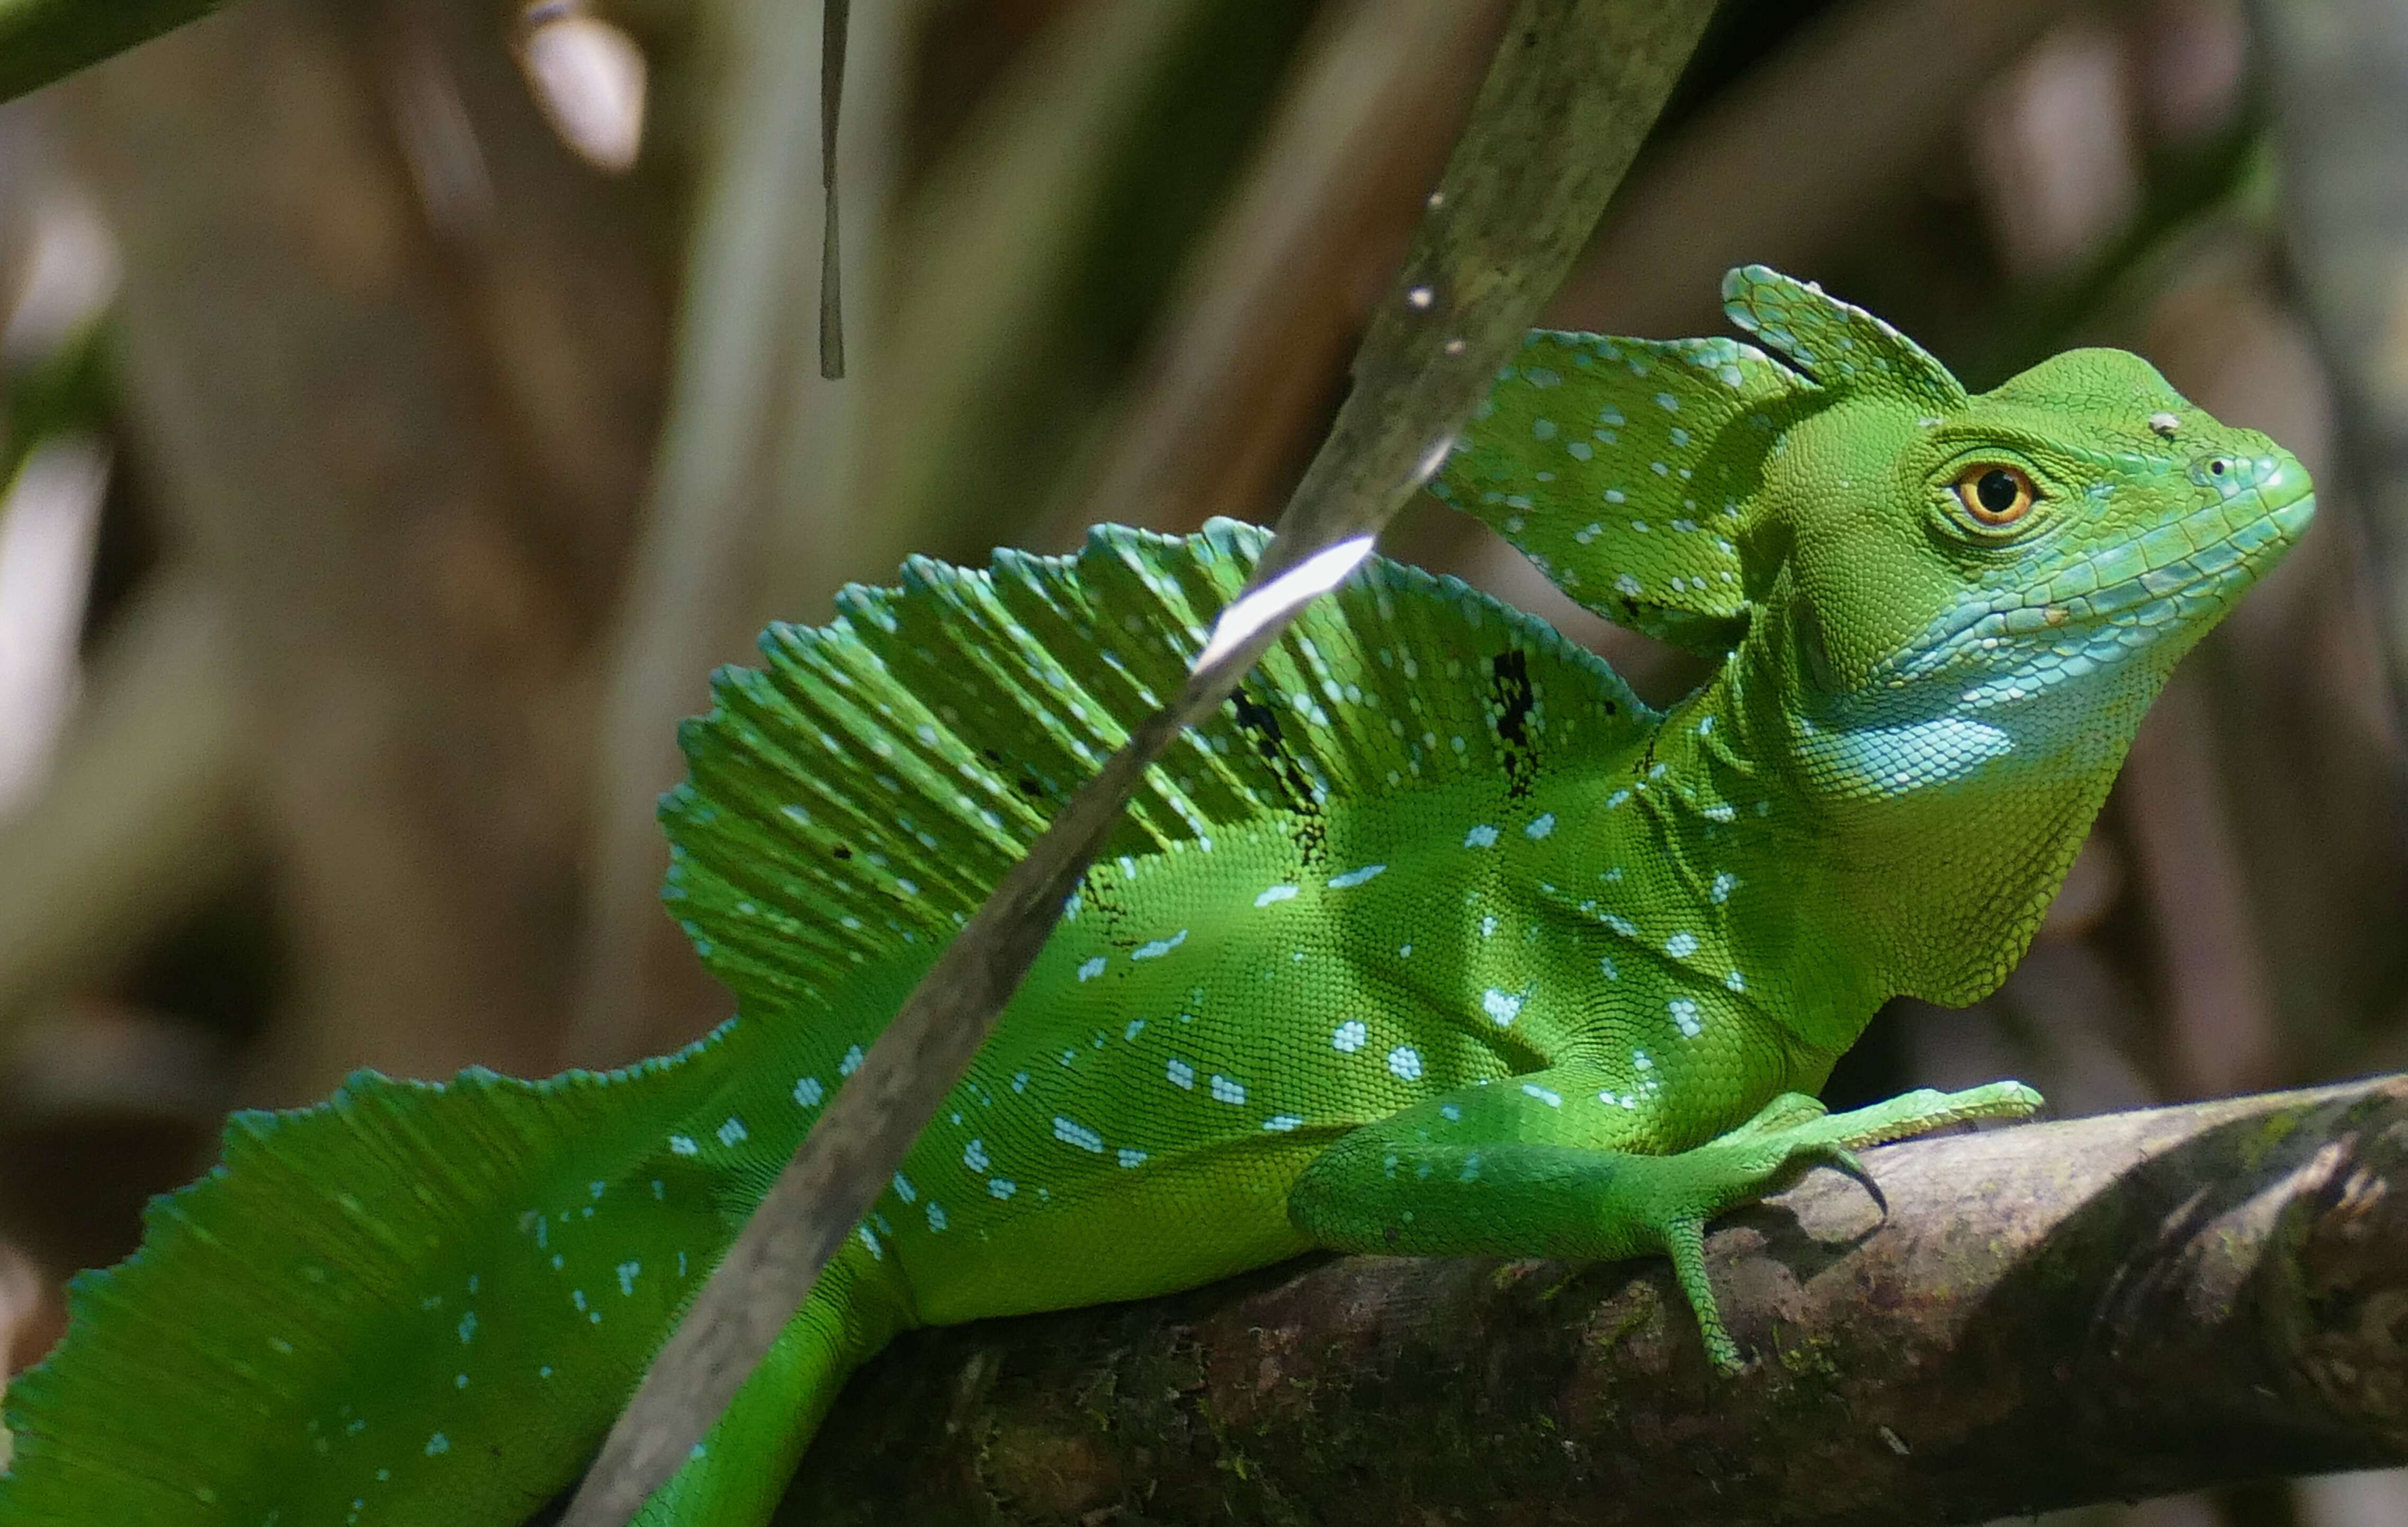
[[1571, 93], [833, 18], [754, 443]]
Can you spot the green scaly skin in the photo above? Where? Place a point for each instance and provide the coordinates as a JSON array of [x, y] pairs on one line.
[[1436, 940]]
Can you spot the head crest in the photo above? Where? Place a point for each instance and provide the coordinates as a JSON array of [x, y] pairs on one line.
[[1838, 344]]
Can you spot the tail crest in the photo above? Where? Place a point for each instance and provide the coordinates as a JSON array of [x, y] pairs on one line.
[[413, 1294]]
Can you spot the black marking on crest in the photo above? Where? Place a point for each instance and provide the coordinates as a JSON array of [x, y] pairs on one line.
[[1027, 783], [1100, 890], [1510, 705], [1260, 722]]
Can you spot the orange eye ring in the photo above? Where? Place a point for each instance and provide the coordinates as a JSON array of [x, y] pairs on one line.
[[1995, 493]]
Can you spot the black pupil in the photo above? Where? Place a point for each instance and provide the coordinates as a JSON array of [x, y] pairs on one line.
[[2217, 466], [1996, 491]]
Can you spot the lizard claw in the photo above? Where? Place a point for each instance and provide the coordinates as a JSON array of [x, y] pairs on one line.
[[1845, 1162]]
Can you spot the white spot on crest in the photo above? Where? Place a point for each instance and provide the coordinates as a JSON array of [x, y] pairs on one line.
[[807, 1091], [1353, 877], [1551, 1098], [1160, 948], [1681, 946], [1405, 1063], [1350, 1037], [1482, 837], [1090, 969], [1539, 828], [1181, 1073], [1225, 1089], [1275, 893]]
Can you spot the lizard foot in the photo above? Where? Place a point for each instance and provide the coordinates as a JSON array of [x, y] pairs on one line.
[[1676, 1196]]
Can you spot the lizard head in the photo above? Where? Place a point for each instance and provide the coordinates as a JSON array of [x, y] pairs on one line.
[[1970, 578], [1935, 580], [1941, 615]]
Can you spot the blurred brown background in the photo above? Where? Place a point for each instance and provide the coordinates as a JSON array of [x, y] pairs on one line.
[[408, 401]]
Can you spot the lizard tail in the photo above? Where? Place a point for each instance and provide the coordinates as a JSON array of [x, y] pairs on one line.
[[737, 1475], [414, 1302]]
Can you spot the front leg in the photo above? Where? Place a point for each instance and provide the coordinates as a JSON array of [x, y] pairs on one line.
[[1537, 1166]]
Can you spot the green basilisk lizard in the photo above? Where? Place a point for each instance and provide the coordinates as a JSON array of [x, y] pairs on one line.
[[1436, 940]]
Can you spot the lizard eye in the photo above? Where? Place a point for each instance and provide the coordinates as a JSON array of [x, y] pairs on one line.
[[1994, 494]]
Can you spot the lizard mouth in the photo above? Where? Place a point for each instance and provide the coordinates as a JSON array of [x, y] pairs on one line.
[[2100, 609]]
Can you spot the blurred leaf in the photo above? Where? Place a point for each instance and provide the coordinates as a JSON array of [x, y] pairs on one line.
[[42, 40]]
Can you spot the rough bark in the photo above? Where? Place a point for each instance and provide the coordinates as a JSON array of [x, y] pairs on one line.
[[2118, 1306]]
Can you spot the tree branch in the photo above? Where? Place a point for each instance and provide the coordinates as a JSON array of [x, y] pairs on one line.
[[2116, 1306]]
